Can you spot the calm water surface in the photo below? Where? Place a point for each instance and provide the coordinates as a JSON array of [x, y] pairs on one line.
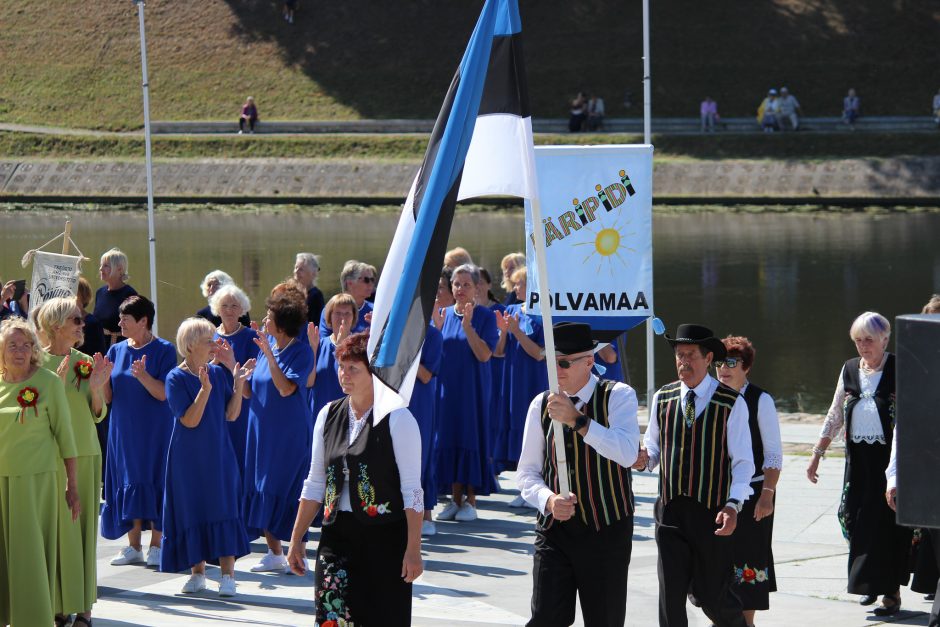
[[792, 283]]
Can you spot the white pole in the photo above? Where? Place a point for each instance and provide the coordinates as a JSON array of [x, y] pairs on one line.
[[149, 159], [564, 486], [648, 139]]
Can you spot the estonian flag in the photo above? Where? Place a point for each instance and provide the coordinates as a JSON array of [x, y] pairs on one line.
[[481, 145]]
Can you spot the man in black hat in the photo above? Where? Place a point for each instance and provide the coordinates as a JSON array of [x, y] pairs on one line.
[[698, 433], [584, 538]]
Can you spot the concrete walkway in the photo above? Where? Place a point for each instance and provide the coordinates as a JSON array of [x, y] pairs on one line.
[[478, 573]]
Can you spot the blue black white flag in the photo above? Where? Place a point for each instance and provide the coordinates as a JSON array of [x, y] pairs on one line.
[[481, 145]]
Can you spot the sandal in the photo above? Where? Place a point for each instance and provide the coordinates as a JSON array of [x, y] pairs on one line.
[[60, 620], [889, 610]]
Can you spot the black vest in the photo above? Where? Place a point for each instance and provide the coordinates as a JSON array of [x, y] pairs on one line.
[[375, 484], [694, 460], [752, 398], [883, 396], [604, 488]]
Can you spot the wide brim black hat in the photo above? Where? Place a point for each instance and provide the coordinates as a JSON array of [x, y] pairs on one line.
[[573, 337], [697, 334]]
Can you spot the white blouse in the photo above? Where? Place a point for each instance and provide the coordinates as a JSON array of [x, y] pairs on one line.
[[769, 425], [866, 423], [406, 443]]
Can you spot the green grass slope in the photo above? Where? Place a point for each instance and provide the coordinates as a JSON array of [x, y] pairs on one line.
[[77, 64]]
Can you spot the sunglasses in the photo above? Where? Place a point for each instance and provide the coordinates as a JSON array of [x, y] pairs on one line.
[[564, 364], [367, 279], [730, 362]]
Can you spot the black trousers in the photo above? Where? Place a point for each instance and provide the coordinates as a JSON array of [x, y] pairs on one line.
[[571, 560], [692, 559], [935, 610]]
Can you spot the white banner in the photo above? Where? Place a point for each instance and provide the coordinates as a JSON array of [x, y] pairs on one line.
[[597, 205], [54, 275]]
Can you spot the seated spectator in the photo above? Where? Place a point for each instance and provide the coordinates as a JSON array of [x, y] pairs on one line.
[[708, 111], [768, 111], [249, 114], [789, 109], [595, 113], [289, 7], [936, 108], [850, 108], [578, 113]]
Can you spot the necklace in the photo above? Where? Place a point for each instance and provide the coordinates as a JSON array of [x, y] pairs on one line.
[[278, 351], [221, 330]]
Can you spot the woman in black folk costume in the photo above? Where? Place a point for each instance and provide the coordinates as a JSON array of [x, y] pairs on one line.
[[863, 405], [366, 472]]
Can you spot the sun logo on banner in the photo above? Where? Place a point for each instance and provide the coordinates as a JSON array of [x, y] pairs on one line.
[[608, 242]]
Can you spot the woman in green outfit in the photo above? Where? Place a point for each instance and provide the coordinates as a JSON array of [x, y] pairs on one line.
[[35, 435], [60, 323]]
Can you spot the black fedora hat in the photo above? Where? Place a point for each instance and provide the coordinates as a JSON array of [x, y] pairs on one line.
[[573, 337], [697, 334]]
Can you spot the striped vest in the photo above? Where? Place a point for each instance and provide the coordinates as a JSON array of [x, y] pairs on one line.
[[604, 488], [694, 460]]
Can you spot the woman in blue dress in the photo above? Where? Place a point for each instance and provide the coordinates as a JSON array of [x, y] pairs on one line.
[[486, 298], [469, 332], [521, 344], [423, 407], [280, 427], [201, 517], [139, 434], [231, 304], [342, 314]]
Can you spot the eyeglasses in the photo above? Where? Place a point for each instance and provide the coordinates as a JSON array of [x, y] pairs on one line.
[[729, 362], [564, 364], [367, 279]]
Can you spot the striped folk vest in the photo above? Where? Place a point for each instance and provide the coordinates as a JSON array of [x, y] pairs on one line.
[[694, 460], [604, 488]]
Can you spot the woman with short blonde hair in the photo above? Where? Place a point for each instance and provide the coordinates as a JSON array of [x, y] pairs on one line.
[[108, 298]]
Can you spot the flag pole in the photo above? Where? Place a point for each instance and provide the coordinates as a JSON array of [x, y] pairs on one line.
[[149, 161], [648, 139], [564, 486]]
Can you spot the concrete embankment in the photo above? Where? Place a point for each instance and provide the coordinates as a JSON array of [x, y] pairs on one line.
[[896, 181]]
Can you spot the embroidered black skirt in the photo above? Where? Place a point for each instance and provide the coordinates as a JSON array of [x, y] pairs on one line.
[[358, 574], [879, 549], [754, 577]]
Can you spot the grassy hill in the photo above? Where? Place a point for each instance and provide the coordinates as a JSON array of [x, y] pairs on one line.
[[77, 65]]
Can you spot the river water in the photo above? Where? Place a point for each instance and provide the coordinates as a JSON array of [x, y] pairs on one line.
[[791, 282]]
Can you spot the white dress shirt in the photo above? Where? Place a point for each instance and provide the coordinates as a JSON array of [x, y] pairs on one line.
[[891, 472], [769, 426], [866, 422], [620, 442], [406, 442], [738, 436]]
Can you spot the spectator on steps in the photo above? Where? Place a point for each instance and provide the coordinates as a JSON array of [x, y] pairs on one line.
[[578, 113], [936, 108], [249, 114], [595, 113], [790, 110], [850, 108], [708, 111], [768, 111], [289, 7]]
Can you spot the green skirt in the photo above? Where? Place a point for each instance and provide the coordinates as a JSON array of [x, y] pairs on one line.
[[77, 585], [28, 537]]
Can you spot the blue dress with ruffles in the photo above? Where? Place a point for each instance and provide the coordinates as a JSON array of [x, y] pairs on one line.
[[244, 348]]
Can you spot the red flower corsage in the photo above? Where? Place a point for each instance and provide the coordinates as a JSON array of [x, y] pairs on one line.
[[83, 370], [27, 398]]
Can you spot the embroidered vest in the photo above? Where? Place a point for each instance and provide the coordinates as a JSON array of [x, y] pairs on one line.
[[752, 398], [883, 396], [694, 460], [375, 493], [604, 488]]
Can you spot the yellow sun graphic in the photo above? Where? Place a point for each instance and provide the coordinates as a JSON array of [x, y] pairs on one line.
[[607, 245]]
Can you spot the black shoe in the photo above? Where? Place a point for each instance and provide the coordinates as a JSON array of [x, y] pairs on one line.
[[889, 610], [868, 599], [929, 597]]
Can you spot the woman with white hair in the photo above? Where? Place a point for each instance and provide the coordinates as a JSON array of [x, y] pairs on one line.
[[863, 408], [60, 323], [209, 286], [108, 298], [306, 271], [201, 515]]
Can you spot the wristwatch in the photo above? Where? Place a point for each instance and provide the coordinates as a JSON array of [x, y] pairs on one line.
[[736, 504], [580, 422]]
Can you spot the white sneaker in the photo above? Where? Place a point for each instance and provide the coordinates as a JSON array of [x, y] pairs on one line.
[[195, 583], [467, 513], [428, 528], [518, 502], [240, 132], [449, 512], [153, 556], [128, 555], [227, 586], [272, 563]]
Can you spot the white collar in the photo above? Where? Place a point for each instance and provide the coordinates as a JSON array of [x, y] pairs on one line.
[[703, 390], [585, 393]]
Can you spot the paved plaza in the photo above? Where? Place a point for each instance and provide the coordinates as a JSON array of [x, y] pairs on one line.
[[479, 573]]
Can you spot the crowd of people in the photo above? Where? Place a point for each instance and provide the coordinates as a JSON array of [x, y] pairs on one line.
[[248, 428]]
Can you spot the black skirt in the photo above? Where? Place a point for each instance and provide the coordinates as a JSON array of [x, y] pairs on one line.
[[754, 576], [924, 563], [879, 549], [358, 574]]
